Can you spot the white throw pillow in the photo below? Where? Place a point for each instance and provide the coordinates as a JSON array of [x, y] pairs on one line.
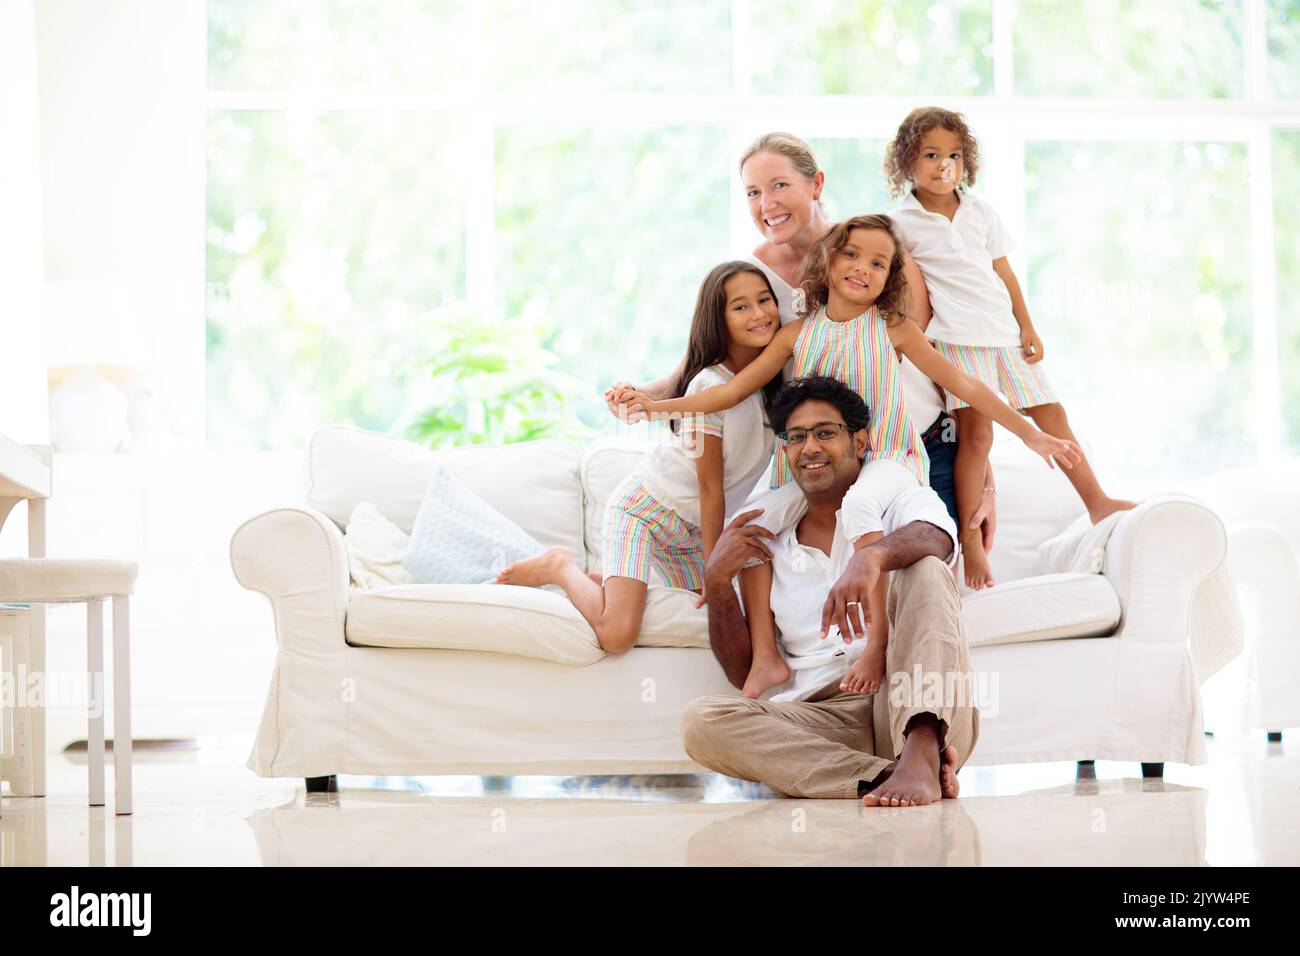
[[375, 548], [459, 538], [1080, 548]]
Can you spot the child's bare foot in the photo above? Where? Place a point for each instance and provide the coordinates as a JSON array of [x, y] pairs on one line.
[[948, 785], [763, 674], [1108, 507], [915, 780], [534, 572], [867, 672], [975, 561]]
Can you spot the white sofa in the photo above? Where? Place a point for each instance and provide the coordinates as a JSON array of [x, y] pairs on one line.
[[487, 679]]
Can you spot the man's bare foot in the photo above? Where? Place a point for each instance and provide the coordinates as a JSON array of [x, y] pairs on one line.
[[764, 674], [534, 572], [975, 562], [948, 784], [914, 780], [1108, 507]]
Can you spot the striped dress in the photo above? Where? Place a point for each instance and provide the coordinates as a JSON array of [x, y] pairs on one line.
[[860, 355]]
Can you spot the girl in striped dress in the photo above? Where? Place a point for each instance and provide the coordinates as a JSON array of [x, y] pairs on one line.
[[669, 512], [854, 330]]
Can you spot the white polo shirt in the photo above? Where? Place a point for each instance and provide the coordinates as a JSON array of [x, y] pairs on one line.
[[971, 303], [802, 576]]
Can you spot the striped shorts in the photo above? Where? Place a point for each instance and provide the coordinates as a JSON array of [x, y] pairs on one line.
[[640, 531], [1002, 369]]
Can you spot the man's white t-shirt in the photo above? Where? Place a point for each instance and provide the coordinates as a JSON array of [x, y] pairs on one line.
[[802, 576], [971, 303], [669, 470]]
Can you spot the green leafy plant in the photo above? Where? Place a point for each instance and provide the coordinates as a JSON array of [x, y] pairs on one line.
[[492, 381]]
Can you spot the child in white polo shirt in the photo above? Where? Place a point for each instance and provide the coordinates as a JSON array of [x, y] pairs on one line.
[[980, 322]]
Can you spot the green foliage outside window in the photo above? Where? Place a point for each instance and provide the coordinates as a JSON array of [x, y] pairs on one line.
[[491, 382]]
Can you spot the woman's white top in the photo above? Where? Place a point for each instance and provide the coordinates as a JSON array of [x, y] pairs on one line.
[[923, 398], [669, 470]]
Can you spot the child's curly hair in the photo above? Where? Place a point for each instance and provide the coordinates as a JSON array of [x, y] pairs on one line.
[[905, 147], [815, 278]]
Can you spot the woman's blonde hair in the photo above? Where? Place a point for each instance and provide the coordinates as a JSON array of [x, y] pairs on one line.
[[799, 153], [815, 278]]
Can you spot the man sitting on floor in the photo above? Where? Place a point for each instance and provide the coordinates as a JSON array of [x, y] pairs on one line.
[[899, 746]]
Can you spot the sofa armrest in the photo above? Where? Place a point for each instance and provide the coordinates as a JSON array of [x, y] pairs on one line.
[[296, 557], [1158, 558]]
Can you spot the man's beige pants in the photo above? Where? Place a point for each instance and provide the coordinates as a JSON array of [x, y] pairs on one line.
[[826, 745]]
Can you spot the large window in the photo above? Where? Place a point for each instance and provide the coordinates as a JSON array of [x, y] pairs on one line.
[[564, 172]]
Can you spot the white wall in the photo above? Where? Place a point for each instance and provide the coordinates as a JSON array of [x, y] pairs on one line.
[[122, 138], [23, 409]]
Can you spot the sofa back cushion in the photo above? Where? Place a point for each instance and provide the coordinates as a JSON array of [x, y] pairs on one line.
[[1034, 504], [534, 484]]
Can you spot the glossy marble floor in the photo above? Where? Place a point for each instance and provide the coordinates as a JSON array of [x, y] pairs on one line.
[[201, 807]]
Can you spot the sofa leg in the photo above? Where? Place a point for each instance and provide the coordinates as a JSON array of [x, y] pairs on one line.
[[1275, 736], [1153, 770], [1085, 770], [328, 784]]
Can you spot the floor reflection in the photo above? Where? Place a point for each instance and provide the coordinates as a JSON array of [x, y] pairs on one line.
[[209, 810]]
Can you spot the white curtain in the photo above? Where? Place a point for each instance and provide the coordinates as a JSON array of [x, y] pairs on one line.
[[24, 409]]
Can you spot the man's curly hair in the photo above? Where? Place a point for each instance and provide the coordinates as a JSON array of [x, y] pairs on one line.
[[821, 388], [905, 147], [815, 278]]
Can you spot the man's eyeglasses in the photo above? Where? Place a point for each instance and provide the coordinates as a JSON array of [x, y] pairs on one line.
[[825, 432]]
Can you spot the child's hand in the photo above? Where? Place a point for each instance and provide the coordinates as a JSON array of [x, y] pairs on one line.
[[1032, 344], [627, 416], [1066, 453], [867, 672], [631, 405]]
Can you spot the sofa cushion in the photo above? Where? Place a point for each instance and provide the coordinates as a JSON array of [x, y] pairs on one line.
[[375, 547], [1080, 548], [528, 622], [1042, 608], [534, 484]]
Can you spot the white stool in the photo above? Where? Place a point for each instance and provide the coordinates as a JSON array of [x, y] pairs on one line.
[[89, 582]]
